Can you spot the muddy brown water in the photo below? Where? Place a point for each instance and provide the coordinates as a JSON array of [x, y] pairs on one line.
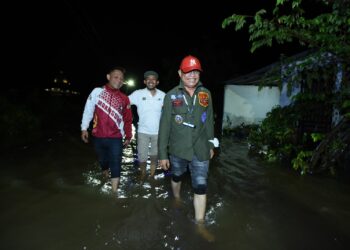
[[53, 196]]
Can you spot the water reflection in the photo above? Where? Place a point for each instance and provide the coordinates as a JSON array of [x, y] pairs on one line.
[[130, 184], [55, 197]]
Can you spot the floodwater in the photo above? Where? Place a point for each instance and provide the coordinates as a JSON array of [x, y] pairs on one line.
[[54, 197]]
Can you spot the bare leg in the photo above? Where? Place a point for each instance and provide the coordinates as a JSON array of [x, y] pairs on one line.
[[154, 161], [176, 187], [143, 166], [115, 183], [105, 173], [199, 202]]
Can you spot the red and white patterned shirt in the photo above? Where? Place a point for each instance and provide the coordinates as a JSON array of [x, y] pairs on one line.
[[111, 113]]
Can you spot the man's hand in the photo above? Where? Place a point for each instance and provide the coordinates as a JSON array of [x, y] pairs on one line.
[[164, 164], [85, 136], [211, 153], [126, 142]]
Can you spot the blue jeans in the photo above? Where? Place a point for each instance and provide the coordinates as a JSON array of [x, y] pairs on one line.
[[198, 170], [109, 152]]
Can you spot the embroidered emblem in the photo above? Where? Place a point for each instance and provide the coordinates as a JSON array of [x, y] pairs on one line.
[[178, 119], [128, 106], [204, 117], [177, 102], [203, 98]]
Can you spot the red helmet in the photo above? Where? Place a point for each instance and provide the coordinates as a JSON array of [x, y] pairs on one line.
[[190, 63]]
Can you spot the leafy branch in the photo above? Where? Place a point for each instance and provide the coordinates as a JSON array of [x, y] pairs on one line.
[[328, 31]]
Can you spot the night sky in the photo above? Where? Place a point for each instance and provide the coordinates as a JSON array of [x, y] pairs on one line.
[[84, 38]]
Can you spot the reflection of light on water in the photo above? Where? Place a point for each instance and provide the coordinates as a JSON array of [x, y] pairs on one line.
[[128, 160], [164, 195], [123, 179], [219, 204], [91, 178], [131, 188], [128, 155], [159, 176], [213, 211], [146, 196], [146, 185], [106, 188], [121, 194]]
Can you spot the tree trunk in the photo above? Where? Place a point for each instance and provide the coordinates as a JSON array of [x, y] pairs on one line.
[[333, 151]]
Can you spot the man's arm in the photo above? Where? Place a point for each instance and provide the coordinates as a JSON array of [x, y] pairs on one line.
[[210, 127], [164, 129], [127, 118], [88, 114]]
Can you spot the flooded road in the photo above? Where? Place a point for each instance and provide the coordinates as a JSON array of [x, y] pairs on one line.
[[55, 197]]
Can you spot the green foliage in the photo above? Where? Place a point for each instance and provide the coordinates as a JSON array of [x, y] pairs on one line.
[[238, 19], [316, 137], [344, 101], [278, 137], [275, 138], [301, 162], [328, 31]]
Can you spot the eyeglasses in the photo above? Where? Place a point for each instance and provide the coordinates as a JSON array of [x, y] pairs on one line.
[[193, 72]]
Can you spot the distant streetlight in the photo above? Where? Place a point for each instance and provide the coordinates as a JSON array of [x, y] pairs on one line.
[[130, 83]]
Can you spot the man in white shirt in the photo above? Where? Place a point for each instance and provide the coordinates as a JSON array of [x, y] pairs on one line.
[[149, 102]]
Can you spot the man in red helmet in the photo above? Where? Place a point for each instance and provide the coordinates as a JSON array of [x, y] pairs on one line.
[[186, 135]]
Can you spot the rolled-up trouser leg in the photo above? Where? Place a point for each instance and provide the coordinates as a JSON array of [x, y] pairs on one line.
[[199, 175]]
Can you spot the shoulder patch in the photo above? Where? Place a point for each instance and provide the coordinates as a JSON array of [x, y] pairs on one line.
[[203, 98]]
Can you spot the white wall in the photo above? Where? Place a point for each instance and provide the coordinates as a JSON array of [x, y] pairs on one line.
[[246, 104]]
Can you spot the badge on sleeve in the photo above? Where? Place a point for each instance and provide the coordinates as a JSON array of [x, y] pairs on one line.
[[204, 117], [203, 98]]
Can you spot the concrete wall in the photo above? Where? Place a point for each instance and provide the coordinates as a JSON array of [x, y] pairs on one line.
[[246, 104]]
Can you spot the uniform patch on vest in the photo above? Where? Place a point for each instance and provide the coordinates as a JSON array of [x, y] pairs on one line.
[[204, 117], [128, 106], [178, 119], [177, 102], [203, 99]]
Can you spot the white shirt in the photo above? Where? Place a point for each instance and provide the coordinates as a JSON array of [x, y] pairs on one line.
[[149, 109]]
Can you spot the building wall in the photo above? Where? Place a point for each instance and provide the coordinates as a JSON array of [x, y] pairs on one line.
[[246, 104]]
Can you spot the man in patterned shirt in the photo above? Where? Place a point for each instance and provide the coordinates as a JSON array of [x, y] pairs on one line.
[[110, 111]]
